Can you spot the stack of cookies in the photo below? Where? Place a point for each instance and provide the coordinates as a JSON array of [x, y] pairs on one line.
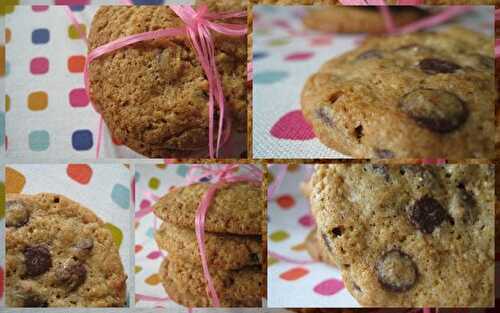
[[409, 235], [233, 241]]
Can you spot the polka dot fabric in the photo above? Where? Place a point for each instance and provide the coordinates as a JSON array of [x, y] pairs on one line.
[[103, 188], [285, 54], [291, 284], [49, 112]]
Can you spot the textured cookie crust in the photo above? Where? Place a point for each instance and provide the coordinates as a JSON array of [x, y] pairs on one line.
[[153, 95], [226, 252], [316, 249], [59, 254], [350, 19], [410, 236], [186, 285], [237, 208], [419, 95]]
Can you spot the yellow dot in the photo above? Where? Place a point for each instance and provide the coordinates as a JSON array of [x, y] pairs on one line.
[[154, 183], [7, 103], [14, 181], [74, 33], [38, 101]]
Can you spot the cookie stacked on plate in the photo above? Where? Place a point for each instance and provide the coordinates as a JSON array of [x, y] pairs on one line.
[[233, 241], [409, 235]]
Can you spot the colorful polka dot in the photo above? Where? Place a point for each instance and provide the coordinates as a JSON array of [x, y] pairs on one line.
[[72, 2], [38, 101], [271, 261], [2, 128], [81, 173], [144, 204], [39, 66], [137, 269], [39, 8], [329, 287], [8, 35], [40, 36], [82, 140], [259, 55], [116, 233], [150, 232], [121, 196], [8, 6], [7, 103], [294, 273], [74, 32], [306, 220], [78, 98], [147, 2], [153, 280], [154, 255], [299, 56], [76, 63], [279, 235], [182, 170], [14, 180], [269, 77], [138, 248], [2, 60], [286, 201], [154, 183], [292, 126], [279, 42], [39, 140]]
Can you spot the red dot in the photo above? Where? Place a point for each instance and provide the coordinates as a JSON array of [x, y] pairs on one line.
[[39, 66], [78, 97], [286, 201], [138, 248], [80, 173]]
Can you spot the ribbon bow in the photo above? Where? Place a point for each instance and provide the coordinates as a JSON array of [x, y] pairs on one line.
[[198, 26], [219, 176]]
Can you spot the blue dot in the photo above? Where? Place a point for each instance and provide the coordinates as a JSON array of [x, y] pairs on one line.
[[150, 233], [137, 176], [82, 140], [39, 140], [269, 77], [182, 170], [2, 128], [259, 55], [77, 8], [145, 2], [40, 36], [121, 196]]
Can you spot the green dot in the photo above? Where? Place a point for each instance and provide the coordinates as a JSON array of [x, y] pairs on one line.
[[2, 200], [154, 183], [279, 235], [279, 42], [271, 261]]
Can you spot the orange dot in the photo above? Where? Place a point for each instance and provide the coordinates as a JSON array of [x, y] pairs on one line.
[[38, 101], [14, 181], [76, 63], [286, 201], [2, 60], [80, 173], [153, 279], [8, 35], [294, 273]]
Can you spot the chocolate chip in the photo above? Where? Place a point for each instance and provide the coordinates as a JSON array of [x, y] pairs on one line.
[[370, 54], [437, 110], [324, 115], [435, 66], [37, 260], [466, 201], [358, 133], [254, 258], [17, 213], [383, 153], [427, 214], [396, 271], [35, 301], [71, 275], [337, 231]]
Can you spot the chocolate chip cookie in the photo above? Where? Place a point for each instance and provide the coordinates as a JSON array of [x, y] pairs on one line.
[[410, 235], [186, 284], [58, 254], [356, 19], [419, 95], [224, 251], [237, 208], [154, 95]]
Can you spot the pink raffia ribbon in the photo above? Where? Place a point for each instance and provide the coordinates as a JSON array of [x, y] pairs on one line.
[[218, 175], [199, 23]]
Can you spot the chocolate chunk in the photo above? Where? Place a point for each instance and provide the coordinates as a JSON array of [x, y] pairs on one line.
[[83, 248], [324, 115], [254, 258], [34, 301], [435, 66], [383, 153], [71, 275], [17, 214], [467, 203], [37, 260], [396, 271], [437, 110], [370, 54], [427, 214]]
